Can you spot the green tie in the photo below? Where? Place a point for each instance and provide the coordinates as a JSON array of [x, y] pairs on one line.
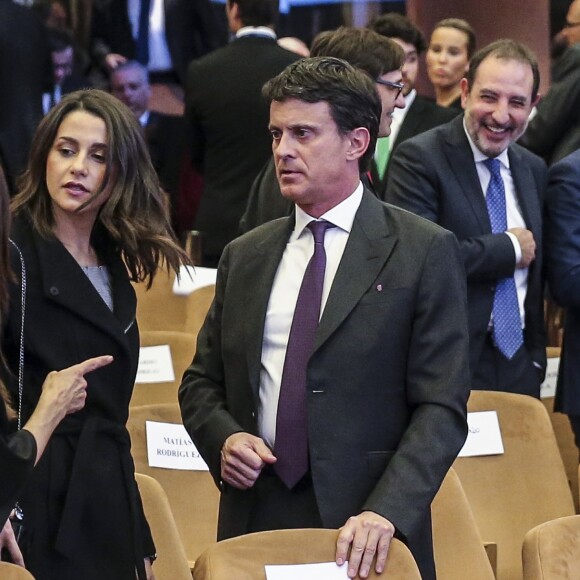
[[382, 155]]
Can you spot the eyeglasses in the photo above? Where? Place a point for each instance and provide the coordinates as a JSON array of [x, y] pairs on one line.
[[397, 86], [571, 24]]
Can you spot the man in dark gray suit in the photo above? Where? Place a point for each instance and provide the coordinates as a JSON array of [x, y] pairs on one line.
[[465, 175], [379, 392]]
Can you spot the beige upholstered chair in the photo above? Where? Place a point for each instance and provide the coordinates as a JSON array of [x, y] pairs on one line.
[[564, 437], [244, 558], [192, 495], [526, 486], [551, 550], [182, 346], [160, 309], [171, 563], [13, 572], [457, 545]]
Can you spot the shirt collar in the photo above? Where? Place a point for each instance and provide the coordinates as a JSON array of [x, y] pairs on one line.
[[144, 119], [341, 215], [256, 31], [478, 156]]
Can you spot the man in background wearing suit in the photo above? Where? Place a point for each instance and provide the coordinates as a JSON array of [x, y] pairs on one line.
[[330, 382], [165, 134], [25, 71], [419, 113], [469, 177], [554, 131], [173, 34], [563, 271], [227, 119], [65, 78]]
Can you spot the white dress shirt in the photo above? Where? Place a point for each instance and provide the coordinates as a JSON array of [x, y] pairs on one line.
[[284, 295], [256, 31], [515, 218]]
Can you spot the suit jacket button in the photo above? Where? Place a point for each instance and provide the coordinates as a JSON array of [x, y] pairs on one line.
[[54, 291]]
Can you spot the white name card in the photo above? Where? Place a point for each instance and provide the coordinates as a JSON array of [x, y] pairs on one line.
[[484, 436], [170, 447], [155, 365], [323, 571], [548, 388], [191, 279]]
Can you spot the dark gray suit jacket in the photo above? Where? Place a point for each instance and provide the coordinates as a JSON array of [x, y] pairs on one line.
[[434, 176], [387, 383]]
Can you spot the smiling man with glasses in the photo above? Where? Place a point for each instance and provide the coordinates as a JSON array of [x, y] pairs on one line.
[[419, 113]]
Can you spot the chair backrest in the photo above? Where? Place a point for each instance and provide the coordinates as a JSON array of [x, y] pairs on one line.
[[244, 558], [171, 563], [551, 551], [564, 437], [193, 495], [566, 445], [457, 544], [525, 486], [182, 347], [160, 309], [13, 572]]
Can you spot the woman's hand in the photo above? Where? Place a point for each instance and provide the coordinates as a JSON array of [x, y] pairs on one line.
[[8, 542], [63, 392], [67, 389]]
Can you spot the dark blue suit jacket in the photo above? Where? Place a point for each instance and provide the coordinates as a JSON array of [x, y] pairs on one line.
[[434, 176], [563, 269]]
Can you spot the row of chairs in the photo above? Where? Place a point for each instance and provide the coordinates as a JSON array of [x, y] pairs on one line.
[[507, 494], [518, 426]]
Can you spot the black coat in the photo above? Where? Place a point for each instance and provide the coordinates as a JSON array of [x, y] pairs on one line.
[[82, 500]]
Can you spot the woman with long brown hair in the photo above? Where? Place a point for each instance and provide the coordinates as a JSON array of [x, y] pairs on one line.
[[89, 217], [62, 393]]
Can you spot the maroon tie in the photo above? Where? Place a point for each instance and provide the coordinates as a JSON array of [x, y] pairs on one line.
[[291, 447]]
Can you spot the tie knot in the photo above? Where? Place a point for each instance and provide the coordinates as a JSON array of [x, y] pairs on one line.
[[492, 163], [318, 229]]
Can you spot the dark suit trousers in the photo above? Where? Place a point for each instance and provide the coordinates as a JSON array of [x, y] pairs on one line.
[[279, 508], [494, 372]]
